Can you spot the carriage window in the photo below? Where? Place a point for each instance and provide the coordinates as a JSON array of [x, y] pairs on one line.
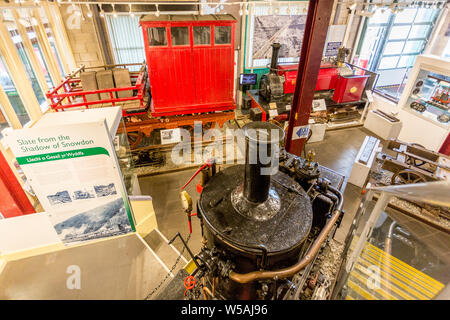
[[180, 36], [202, 35], [222, 35], [157, 36]]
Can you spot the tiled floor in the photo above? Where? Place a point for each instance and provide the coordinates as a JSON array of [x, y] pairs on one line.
[[337, 151]]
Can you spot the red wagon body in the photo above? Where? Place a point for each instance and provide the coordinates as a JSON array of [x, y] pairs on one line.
[[190, 63]]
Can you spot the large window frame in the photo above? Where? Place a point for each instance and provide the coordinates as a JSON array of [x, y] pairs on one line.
[[392, 51], [43, 57]]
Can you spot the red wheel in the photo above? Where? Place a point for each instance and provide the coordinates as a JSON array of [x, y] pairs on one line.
[[189, 283]]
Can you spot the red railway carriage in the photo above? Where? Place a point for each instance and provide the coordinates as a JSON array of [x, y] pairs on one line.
[[190, 62]]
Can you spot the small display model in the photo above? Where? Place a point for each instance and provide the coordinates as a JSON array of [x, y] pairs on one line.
[[248, 79]]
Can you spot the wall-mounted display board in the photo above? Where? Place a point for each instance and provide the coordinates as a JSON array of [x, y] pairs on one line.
[[76, 176]]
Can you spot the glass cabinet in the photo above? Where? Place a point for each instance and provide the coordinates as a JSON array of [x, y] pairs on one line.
[[428, 90]]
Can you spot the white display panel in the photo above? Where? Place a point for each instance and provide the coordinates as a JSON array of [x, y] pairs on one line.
[[75, 174]]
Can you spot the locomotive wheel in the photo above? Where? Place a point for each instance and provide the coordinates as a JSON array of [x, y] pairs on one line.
[[407, 176], [134, 138]]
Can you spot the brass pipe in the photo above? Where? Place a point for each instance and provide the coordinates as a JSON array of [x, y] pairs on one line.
[[203, 289], [290, 271], [207, 291]]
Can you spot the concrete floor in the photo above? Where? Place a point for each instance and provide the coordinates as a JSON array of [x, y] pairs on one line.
[[337, 151]]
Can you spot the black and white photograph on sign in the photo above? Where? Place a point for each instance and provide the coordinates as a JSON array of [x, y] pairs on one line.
[[107, 220], [170, 136], [105, 190], [83, 194], [59, 197], [286, 30]]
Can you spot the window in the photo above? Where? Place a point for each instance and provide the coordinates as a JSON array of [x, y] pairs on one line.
[[390, 44], [13, 96], [202, 35], [4, 123], [52, 41], [222, 35], [180, 36], [127, 41], [38, 52], [157, 36], [29, 69], [446, 53]]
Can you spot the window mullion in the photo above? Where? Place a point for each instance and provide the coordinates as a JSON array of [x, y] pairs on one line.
[[382, 44], [46, 48]]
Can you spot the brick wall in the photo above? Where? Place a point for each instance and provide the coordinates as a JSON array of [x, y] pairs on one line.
[[82, 36]]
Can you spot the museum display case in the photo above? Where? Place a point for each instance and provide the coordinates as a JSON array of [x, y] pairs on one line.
[[424, 105], [430, 96]]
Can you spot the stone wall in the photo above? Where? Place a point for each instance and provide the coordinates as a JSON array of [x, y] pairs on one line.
[[82, 36]]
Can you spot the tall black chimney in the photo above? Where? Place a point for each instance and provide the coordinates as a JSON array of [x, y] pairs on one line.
[[259, 137], [274, 62]]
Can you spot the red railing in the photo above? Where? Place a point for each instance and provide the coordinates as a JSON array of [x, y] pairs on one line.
[[65, 95]]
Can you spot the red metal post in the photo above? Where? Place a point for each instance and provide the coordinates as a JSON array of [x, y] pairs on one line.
[[317, 20], [445, 148], [13, 200]]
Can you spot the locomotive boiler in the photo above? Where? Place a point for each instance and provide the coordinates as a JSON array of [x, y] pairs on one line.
[[263, 221]]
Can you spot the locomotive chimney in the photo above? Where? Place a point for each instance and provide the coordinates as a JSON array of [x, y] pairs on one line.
[[261, 154], [274, 62]]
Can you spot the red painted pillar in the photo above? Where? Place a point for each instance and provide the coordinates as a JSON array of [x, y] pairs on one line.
[[445, 148], [13, 200], [316, 28]]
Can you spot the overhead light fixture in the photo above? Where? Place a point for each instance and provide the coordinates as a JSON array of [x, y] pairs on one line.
[[364, 13], [157, 11], [114, 10], [277, 10], [89, 12], [245, 9], [131, 11], [241, 12], [202, 12], [353, 6], [80, 12], [288, 9], [102, 13]]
